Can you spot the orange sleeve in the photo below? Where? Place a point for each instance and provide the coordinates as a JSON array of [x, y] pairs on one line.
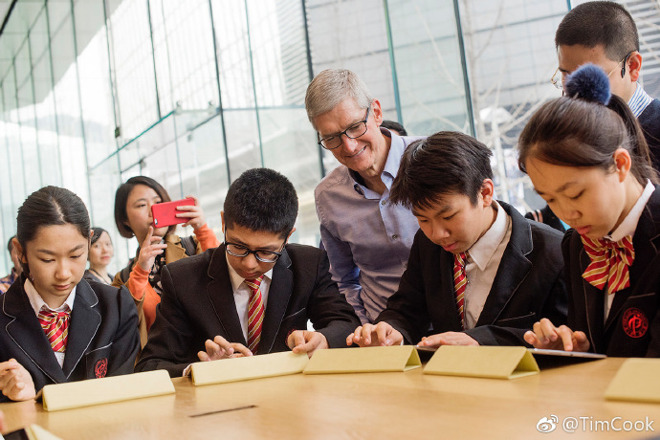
[[141, 290], [206, 237], [137, 282]]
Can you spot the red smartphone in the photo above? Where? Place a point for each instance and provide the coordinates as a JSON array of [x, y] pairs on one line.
[[164, 214]]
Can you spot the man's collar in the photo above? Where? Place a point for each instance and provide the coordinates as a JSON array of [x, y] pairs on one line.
[[394, 153], [639, 101]]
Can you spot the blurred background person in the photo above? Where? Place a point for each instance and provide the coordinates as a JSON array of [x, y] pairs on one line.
[[7, 281], [101, 252], [394, 126]]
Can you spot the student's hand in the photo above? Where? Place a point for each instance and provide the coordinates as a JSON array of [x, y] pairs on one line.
[[15, 381], [546, 335], [192, 212], [379, 334], [304, 341], [220, 348], [447, 338], [150, 248]]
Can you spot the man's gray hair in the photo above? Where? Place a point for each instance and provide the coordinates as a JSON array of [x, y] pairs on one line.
[[331, 87]]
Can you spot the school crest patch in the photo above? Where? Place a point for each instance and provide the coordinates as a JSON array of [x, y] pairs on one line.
[[635, 323], [101, 368]]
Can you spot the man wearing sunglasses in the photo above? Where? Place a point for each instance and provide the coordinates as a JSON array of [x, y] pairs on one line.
[[604, 33], [252, 295], [367, 238]]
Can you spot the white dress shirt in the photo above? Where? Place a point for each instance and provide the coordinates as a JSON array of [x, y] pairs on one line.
[[484, 260], [242, 298]]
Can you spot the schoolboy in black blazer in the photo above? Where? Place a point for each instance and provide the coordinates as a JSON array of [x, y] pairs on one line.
[[200, 316], [446, 179], [528, 285], [198, 304]]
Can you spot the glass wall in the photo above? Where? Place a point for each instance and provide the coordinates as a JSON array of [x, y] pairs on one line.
[[432, 92], [510, 55], [193, 93]]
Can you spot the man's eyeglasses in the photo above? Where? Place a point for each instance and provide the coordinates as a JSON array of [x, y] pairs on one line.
[[263, 255], [557, 79], [353, 132]]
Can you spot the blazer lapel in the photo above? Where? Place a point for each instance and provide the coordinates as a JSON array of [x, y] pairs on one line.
[[85, 322], [643, 272], [26, 332], [279, 293], [517, 266], [221, 296]]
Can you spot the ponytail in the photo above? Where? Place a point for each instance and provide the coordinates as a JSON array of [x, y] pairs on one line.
[[585, 128]]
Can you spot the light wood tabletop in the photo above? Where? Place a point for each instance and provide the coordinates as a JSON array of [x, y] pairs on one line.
[[355, 406]]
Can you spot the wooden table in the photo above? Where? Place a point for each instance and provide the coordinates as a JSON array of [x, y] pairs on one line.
[[355, 406]]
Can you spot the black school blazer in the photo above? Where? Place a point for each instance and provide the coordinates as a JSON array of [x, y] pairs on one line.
[[198, 304], [103, 335], [632, 327], [529, 285]]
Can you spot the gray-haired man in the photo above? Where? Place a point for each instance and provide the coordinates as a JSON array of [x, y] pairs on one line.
[[367, 239]]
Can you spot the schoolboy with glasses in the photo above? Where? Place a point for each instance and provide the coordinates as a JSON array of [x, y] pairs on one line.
[[253, 294], [604, 33]]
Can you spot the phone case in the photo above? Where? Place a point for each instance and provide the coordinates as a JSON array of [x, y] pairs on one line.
[[164, 214]]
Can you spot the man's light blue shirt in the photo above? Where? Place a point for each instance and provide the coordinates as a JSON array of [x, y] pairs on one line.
[[639, 101], [367, 238]]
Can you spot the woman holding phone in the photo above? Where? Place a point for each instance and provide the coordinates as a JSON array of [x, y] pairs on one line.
[[158, 246]]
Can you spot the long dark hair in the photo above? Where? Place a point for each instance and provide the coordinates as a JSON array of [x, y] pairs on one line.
[[581, 133]]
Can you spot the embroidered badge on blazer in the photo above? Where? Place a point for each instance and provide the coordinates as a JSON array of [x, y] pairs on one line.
[[635, 323], [101, 368]]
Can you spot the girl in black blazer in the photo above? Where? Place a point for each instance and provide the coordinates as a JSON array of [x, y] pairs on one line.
[[54, 326], [587, 157]]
